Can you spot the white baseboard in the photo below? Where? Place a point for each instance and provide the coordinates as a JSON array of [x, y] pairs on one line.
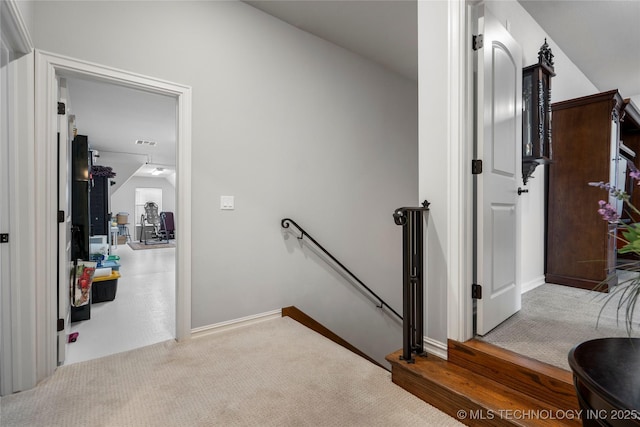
[[435, 347], [532, 284], [203, 331], [431, 346]]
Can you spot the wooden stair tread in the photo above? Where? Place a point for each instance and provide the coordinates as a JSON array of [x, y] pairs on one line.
[[529, 376], [451, 388], [516, 358]]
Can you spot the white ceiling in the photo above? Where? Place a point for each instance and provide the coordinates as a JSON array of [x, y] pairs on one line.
[[602, 37], [385, 31], [114, 117]]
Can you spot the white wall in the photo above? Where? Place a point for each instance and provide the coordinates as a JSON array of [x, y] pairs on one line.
[[123, 165], [292, 126], [434, 159], [26, 10]]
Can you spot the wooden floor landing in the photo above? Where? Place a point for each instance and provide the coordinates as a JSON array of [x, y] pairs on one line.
[[484, 385]]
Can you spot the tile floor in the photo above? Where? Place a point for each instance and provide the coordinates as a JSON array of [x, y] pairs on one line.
[[143, 312]]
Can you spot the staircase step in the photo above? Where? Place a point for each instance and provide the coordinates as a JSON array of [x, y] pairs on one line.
[[303, 318], [472, 398], [529, 376]]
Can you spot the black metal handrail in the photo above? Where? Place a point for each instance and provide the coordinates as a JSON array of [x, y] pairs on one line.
[[411, 220], [285, 224]]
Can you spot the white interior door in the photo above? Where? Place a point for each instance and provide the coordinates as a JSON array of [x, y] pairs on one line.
[[5, 296], [64, 227], [499, 145]]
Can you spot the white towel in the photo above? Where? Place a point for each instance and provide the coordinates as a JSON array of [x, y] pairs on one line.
[[102, 272]]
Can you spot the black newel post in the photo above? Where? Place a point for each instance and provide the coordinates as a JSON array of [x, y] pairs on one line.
[[411, 220]]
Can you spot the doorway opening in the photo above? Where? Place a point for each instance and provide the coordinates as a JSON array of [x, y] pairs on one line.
[[48, 68], [498, 143], [133, 293]]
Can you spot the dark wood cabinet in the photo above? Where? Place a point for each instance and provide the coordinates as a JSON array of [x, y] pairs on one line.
[[80, 220], [99, 207], [80, 223], [630, 140], [587, 134]]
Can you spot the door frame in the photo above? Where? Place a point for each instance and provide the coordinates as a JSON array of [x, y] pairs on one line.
[[17, 359], [47, 67], [461, 110], [462, 17], [64, 227]]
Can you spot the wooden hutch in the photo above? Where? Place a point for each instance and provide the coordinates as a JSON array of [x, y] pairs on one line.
[[593, 139]]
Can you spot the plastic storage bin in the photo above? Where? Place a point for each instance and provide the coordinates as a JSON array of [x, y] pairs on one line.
[[114, 265], [101, 240], [105, 288], [80, 313]]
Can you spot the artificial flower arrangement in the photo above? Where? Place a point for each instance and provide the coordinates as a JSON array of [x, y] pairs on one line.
[[627, 292], [83, 278]]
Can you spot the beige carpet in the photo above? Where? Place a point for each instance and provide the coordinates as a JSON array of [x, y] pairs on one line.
[[275, 373], [555, 318]]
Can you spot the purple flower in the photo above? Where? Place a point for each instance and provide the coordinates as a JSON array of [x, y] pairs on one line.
[[634, 172], [618, 194], [608, 212], [603, 185]]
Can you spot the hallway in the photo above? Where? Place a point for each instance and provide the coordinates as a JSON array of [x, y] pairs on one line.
[[555, 318]]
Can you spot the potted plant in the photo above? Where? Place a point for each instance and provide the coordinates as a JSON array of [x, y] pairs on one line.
[[627, 291], [606, 371]]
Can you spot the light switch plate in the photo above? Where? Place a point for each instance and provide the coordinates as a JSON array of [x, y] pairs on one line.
[[226, 203]]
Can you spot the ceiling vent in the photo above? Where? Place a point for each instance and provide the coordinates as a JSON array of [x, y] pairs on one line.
[[143, 142]]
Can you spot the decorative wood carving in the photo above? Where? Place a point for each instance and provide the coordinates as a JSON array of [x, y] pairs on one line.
[[536, 116]]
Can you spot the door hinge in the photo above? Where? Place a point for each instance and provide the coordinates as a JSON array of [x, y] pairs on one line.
[[4, 237], [60, 325], [61, 108], [477, 41], [476, 291], [476, 167], [60, 216]]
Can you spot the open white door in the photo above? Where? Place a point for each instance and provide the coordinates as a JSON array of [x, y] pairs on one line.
[[64, 220], [499, 146]]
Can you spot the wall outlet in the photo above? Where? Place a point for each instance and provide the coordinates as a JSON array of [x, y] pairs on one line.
[[226, 203]]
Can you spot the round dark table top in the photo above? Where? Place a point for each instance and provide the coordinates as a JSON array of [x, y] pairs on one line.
[[612, 367]]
